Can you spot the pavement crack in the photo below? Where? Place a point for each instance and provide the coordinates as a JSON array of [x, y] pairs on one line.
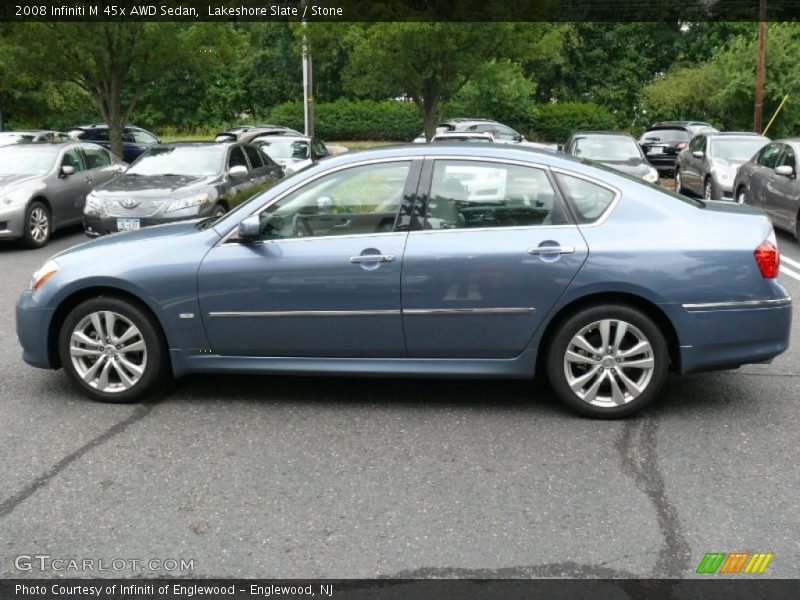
[[8, 505], [638, 448]]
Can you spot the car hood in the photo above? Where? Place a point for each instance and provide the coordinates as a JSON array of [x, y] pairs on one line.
[[12, 181], [639, 168], [152, 185], [130, 238]]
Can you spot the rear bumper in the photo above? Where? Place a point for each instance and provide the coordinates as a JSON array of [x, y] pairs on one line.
[[33, 325], [717, 336]]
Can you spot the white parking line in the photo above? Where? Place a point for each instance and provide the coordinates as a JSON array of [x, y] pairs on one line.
[[789, 261]]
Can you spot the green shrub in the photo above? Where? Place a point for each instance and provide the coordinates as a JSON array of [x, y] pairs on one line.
[[556, 122], [354, 119]]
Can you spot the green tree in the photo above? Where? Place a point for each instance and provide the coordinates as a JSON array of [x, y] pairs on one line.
[[431, 63], [115, 62]]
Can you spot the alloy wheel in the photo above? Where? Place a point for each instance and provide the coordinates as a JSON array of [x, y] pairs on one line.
[[678, 183], [38, 224], [108, 351], [707, 191], [741, 197], [609, 363]]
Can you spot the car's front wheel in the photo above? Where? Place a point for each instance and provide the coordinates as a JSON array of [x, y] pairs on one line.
[[708, 189], [741, 195], [679, 182], [219, 210], [113, 350], [37, 225], [607, 361]]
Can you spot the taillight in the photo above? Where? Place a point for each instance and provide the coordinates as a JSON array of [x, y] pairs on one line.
[[681, 146], [768, 259]]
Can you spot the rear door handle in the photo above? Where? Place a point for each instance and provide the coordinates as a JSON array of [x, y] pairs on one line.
[[552, 250], [371, 258]]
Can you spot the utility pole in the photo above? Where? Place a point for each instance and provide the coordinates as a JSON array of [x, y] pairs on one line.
[[758, 104], [308, 87]]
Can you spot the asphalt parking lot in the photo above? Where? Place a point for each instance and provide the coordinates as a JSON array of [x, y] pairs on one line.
[[321, 477]]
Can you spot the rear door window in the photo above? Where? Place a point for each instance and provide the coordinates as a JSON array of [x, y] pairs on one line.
[[589, 200], [254, 157], [96, 158]]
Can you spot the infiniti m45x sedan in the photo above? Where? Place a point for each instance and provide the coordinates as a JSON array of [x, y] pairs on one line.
[[425, 260]]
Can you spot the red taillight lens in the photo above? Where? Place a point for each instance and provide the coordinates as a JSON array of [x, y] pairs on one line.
[[768, 259], [681, 146]]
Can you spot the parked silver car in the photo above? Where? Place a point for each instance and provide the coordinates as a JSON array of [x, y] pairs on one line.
[[32, 136], [769, 181], [708, 165], [44, 186]]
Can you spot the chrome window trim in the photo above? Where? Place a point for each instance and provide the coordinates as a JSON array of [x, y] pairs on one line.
[[733, 305], [373, 313], [609, 209], [305, 182]]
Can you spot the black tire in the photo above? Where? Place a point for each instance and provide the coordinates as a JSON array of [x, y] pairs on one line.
[[37, 210], [219, 210], [741, 195], [708, 189], [155, 371], [679, 183], [638, 325]]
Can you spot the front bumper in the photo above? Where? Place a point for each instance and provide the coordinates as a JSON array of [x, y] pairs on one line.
[[96, 226], [728, 335], [33, 326], [12, 219]]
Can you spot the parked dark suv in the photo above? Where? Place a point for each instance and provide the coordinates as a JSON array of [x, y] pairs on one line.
[[663, 141], [135, 140]]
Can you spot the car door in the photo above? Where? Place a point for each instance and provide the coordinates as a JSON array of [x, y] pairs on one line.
[[262, 174], [324, 280], [762, 172], [693, 164], [782, 195], [71, 190], [100, 165], [236, 187], [490, 262]]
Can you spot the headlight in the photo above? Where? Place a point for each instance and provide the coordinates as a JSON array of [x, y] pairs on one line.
[[93, 204], [188, 202], [15, 197], [651, 175], [45, 272]]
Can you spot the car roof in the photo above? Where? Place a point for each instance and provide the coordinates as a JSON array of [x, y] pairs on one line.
[[601, 133], [730, 134], [681, 124], [55, 146], [284, 136], [198, 144]]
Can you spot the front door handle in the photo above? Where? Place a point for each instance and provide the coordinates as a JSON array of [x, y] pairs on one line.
[[371, 258], [552, 250]]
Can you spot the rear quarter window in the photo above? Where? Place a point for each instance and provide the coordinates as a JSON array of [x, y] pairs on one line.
[[589, 200]]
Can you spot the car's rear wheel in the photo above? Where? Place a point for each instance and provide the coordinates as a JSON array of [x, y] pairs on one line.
[[38, 225], [113, 350], [741, 195], [607, 361]]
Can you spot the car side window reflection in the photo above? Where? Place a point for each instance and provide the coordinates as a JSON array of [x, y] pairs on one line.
[[96, 158], [769, 156], [359, 200], [472, 194], [787, 158], [589, 200], [72, 158]]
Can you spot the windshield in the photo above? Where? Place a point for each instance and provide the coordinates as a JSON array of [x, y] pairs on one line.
[[460, 139], [666, 135], [193, 161], [278, 149], [13, 161], [607, 148], [736, 149], [15, 138]]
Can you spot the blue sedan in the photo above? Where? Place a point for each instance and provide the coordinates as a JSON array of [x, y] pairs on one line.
[[436, 260]]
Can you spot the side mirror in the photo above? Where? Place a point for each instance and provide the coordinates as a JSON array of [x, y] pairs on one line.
[[238, 171], [250, 229], [698, 154], [67, 170], [519, 137], [785, 171]]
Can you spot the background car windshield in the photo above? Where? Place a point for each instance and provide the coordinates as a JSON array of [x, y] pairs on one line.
[[281, 149], [14, 138], [15, 162], [666, 135], [738, 150], [180, 160], [460, 139], [607, 148]]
